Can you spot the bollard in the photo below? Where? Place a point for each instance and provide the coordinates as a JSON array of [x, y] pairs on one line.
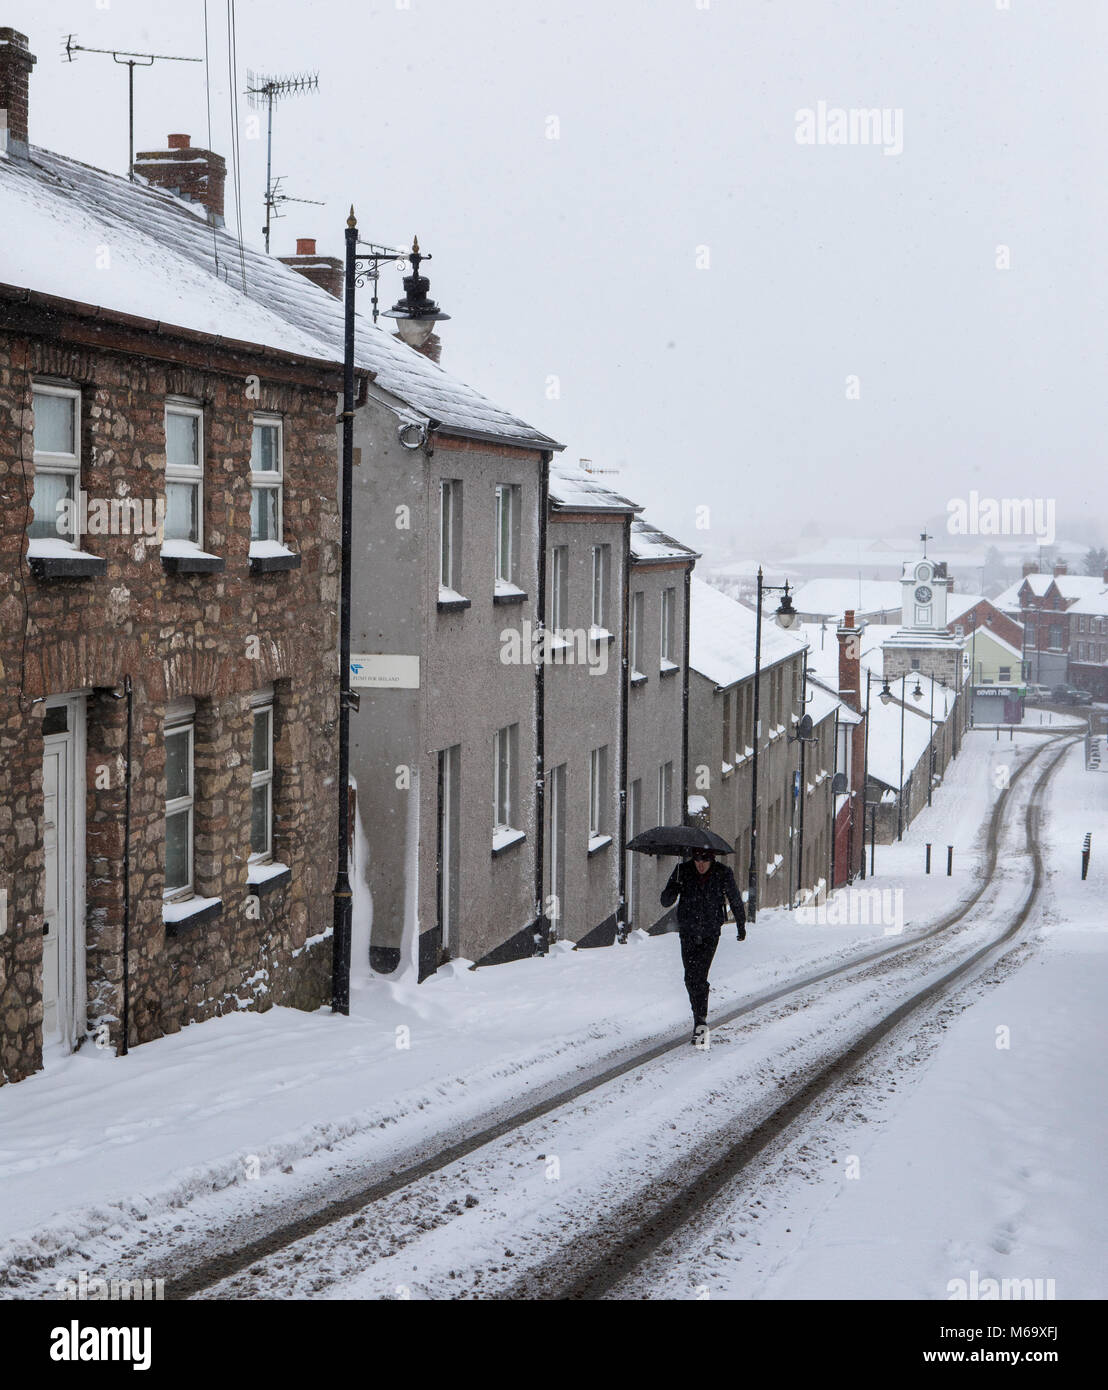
[[949, 860], [1011, 732], [998, 733], [927, 862], [1086, 852]]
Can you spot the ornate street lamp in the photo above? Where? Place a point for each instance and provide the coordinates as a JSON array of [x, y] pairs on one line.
[[415, 313]]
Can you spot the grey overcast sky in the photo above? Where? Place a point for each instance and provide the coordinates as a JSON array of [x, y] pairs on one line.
[[700, 284]]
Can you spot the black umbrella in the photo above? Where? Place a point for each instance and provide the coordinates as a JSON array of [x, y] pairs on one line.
[[678, 839]]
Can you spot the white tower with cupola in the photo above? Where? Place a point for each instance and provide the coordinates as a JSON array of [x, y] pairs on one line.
[[923, 643]]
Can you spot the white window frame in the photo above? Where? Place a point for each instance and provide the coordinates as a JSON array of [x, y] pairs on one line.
[[635, 636], [598, 802], [262, 703], [665, 792], [505, 568], [192, 474], [61, 465], [503, 773], [559, 587], [180, 717], [669, 612], [270, 481], [600, 567], [450, 496]]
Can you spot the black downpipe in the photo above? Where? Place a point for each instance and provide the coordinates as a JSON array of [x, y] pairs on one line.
[[625, 686], [542, 926], [129, 695], [685, 700], [802, 792], [340, 966]]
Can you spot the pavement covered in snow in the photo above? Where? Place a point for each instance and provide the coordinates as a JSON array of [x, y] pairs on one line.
[[984, 1158]]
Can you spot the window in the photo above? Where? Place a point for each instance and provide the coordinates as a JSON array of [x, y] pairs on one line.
[[598, 793], [600, 568], [1056, 637], [57, 453], [669, 610], [665, 793], [450, 509], [504, 758], [1004, 673], [179, 793], [184, 473], [261, 780], [559, 588], [266, 477], [635, 636], [507, 517]]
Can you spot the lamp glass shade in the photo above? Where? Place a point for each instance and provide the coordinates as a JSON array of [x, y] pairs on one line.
[[415, 332], [885, 696]]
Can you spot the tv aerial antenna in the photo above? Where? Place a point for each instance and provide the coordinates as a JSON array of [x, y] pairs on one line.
[[263, 90], [132, 61]]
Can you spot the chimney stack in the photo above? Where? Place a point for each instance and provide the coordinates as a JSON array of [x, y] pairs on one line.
[[850, 661], [1029, 567], [194, 174], [1061, 567], [16, 62], [328, 272]]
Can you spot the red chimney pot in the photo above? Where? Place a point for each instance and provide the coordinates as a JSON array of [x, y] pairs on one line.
[[179, 142], [305, 245]]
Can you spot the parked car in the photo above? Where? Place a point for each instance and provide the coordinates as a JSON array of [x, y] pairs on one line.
[[1070, 695], [1037, 694]]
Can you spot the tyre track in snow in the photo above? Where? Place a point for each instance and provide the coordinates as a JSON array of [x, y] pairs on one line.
[[207, 1272], [631, 1235]]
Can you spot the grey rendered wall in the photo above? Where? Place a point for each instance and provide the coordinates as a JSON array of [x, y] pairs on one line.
[[583, 713], [654, 727]]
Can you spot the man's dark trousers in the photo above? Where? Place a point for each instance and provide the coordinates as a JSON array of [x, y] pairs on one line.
[[697, 950]]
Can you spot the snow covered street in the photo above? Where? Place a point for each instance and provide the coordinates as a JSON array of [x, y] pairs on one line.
[[230, 1131]]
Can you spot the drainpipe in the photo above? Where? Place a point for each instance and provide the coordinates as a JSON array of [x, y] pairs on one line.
[[625, 687], [685, 702], [542, 927], [128, 693]]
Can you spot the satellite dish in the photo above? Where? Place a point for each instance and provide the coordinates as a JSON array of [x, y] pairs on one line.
[[804, 728], [838, 784]]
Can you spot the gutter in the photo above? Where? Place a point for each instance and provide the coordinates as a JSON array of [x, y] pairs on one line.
[[685, 698], [625, 687], [542, 925]]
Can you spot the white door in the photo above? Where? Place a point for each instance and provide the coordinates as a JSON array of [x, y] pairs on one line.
[[62, 790], [556, 790]]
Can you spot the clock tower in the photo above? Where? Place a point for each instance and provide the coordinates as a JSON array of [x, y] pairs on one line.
[[922, 643]]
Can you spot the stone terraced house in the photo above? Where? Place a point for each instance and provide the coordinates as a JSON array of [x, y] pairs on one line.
[[168, 591]]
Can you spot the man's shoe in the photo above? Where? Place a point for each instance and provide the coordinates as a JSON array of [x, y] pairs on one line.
[[701, 1037]]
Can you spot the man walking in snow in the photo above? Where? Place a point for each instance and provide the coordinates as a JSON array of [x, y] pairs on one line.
[[702, 887]]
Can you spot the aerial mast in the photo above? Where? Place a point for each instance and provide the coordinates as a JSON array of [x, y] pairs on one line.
[[263, 90]]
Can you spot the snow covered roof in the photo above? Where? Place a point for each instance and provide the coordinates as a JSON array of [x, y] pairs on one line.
[[883, 747], [957, 604], [649, 544], [833, 597], [987, 634], [575, 489], [168, 264], [721, 637], [1070, 586], [1095, 603]]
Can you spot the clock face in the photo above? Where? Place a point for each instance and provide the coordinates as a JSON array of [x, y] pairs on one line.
[[923, 594]]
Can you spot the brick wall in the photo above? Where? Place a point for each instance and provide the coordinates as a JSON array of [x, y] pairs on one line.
[[215, 637]]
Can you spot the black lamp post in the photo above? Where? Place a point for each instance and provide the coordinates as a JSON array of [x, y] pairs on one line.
[[786, 617], [360, 267], [415, 313]]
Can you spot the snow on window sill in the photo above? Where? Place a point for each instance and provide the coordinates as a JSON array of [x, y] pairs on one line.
[[61, 559], [268, 556], [600, 634], [450, 601], [637, 678], [263, 877], [696, 804], [727, 769], [668, 668], [504, 837], [179, 916], [598, 842], [186, 557], [505, 592]]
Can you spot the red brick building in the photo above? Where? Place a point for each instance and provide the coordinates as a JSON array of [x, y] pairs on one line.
[[168, 523]]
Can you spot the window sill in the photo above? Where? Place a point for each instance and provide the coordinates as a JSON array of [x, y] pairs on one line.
[[669, 668], [265, 878], [64, 562], [509, 594], [506, 839], [598, 843], [193, 912], [270, 557], [192, 560], [637, 678], [451, 602], [601, 634]]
